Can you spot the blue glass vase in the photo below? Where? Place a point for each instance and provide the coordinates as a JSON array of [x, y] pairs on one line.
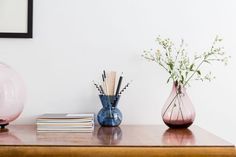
[[109, 115]]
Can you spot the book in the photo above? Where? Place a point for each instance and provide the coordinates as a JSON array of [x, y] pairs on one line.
[[65, 122]]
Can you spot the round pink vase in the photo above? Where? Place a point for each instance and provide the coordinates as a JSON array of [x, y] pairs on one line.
[[178, 111], [12, 95]]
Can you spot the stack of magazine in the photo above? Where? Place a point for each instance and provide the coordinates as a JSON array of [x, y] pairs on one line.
[[65, 123]]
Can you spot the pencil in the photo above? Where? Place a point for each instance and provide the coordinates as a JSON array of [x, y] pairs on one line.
[[119, 84], [126, 86]]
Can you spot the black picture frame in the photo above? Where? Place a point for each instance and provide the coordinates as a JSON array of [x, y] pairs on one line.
[[29, 33]]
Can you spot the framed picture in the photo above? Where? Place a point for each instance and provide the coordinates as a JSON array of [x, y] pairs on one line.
[[16, 18]]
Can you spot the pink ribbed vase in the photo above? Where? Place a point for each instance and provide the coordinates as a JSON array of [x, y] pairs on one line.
[[12, 95], [178, 111]]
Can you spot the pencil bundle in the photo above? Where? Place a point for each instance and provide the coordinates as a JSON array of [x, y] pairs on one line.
[[108, 85]]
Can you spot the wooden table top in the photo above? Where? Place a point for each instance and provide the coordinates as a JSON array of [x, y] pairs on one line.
[[123, 136]]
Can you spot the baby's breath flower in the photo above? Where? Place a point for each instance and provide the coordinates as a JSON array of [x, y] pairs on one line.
[[179, 65]]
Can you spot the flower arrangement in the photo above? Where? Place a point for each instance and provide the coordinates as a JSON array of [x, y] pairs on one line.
[[178, 111], [180, 66]]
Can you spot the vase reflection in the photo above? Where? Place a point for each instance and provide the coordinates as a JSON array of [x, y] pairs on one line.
[[7, 135], [109, 135], [178, 137]]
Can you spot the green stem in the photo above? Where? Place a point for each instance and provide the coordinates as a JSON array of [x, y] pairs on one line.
[[180, 101], [193, 73], [169, 105], [166, 70], [172, 109], [178, 52]]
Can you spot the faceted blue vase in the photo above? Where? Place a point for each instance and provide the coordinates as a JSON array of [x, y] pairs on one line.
[[109, 115]]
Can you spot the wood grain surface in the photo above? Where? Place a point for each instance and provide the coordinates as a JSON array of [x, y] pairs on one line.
[[28, 151], [123, 141]]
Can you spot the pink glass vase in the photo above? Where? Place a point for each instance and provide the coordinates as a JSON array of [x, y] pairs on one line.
[[178, 111], [12, 95]]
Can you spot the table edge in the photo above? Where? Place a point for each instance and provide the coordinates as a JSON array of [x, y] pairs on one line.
[[116, 151]]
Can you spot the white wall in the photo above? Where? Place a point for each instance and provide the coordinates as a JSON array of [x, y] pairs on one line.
[[74, 40]]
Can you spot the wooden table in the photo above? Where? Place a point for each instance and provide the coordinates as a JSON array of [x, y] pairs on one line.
[[123, 141]]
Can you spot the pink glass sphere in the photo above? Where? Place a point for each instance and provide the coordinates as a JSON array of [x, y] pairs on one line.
[[12, 95]]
